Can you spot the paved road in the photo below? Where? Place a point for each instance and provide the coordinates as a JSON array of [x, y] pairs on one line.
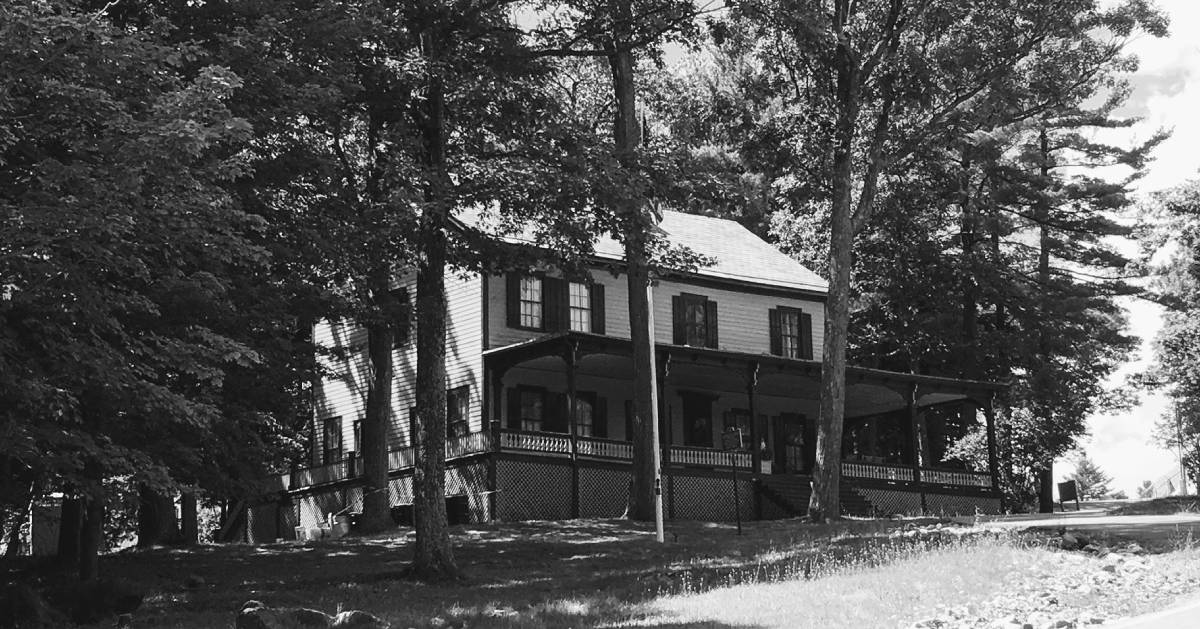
[[1158, 529], [1185, 615]]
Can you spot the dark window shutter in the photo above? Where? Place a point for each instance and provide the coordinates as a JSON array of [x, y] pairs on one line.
[[514, 408], [412, 426], [404, 325], [806, 337], [628, 420], [554, 305], [596, 293], [556, 415], [776, 330], [513, 300], [679, 325], [710, 323], [600, 418]]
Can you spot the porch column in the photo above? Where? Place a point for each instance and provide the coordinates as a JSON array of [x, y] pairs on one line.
[[915, 443], [493, 390], [571, 356], [664, 434], [989, 413], [755, 452]]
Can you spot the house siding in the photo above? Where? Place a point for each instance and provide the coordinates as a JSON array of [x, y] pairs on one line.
[[343, 392], [742, 314]]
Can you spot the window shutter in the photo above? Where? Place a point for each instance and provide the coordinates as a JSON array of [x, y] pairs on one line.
[[401, 308], [596, 292], [806, 337], [678, 324], [513, 300], [555, 415], [554, 305], [600, 418], [514, 408], [776, 330], [710, 322], [412, 426], [628, 420]]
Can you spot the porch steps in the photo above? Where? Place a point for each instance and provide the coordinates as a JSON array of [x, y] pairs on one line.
[[792, 492]]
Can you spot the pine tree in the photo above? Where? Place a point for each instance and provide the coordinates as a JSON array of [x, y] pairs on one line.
[[1090, 479]]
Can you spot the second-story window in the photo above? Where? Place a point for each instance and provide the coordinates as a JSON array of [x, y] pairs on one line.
[[695, 320], [554, 304], [458, 411], [531, 302], [332, 451], [580, 305], [791, 333]]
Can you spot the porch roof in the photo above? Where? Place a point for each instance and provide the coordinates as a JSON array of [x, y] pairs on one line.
[[586, 343]]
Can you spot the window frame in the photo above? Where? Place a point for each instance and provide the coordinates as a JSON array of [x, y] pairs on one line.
[[539, 303], [461, 426], [543, 399], [700, 302], [586, 309], [331, 426]]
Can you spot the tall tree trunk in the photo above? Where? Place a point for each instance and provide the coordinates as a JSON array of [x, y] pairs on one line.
[[626, 139], [91, 538], [433, 556], [189, 526], [970, 283], [825, 503], [1042, 213], [157, 524], [376, 516], [70, 524]]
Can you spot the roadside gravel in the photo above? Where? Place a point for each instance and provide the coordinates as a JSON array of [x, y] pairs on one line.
[[1078, 585]]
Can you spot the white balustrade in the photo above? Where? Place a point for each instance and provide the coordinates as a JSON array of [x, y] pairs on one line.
[[605, 448], [951, 477], [535, 441], [877, 472]]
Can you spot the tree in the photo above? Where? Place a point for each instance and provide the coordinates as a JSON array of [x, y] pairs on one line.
[[619, 31], [1090, 479], [117, 219]]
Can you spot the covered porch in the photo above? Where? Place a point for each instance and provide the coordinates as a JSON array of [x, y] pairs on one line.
[[568, 396]]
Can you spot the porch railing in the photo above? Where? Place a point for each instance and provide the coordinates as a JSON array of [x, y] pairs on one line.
[[547, 442], [876, 471], [398, 459], [956, 477], [708, 457], [604, 448]]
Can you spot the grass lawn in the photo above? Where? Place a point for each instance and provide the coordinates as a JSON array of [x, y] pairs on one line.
[[601, 573]]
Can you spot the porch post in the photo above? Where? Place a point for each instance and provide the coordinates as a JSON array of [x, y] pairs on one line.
[[989, 413], [664, 432], [494, 383], [755, 452], [572, 357], [914, 444]]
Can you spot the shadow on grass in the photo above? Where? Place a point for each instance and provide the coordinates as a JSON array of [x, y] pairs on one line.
[[539, 574]]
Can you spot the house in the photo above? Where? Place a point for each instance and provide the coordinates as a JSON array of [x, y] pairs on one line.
[[739, 358]]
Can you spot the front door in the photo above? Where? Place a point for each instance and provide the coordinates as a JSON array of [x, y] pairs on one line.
[[791, 448], [697, 419]]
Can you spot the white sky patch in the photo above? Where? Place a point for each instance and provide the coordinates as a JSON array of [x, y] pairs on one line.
[[1166, 95]]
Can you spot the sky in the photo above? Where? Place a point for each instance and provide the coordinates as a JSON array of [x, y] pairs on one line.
[[1166, 94]]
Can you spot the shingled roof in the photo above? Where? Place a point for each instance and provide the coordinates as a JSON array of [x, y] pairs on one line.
[[737, 253]]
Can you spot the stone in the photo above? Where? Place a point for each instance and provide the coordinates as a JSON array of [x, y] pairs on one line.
[[1072, 541], [356, 619], [255, 615]]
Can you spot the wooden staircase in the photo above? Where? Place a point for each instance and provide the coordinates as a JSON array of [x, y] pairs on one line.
[[791, 493]]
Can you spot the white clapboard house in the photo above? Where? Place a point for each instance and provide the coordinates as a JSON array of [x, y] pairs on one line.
[[738, 349]]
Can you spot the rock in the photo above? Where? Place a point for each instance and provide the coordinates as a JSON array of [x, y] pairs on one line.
[[1072, 541], [258, 616], [356, 619]]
